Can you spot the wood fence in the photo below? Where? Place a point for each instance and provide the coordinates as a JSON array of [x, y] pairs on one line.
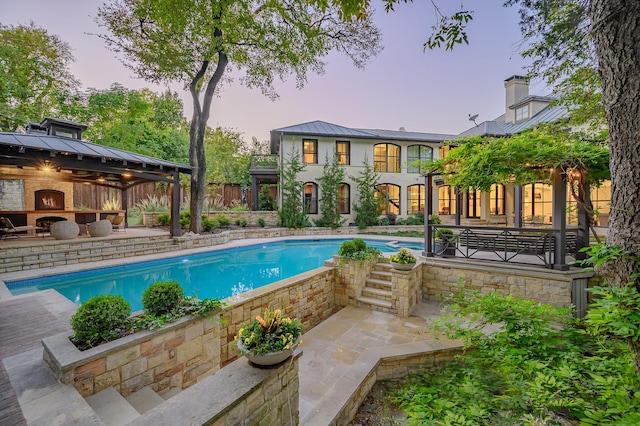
[[94, 197]]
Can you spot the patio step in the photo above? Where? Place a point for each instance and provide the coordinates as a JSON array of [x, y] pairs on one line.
[[376, 293], [112, 408]]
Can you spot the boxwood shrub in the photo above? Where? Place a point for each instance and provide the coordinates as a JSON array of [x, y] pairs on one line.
[[101, 318], [162, 297]]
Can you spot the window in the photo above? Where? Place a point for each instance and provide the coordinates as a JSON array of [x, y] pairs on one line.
[[497, 200], [345, 200], [415, 199], [474, 203], [310, 151], [417, 153], [310, 198], [537, 206], [386, 158], [389, 195], [343, 151], [522, 113], [446, 200], [600, 199]]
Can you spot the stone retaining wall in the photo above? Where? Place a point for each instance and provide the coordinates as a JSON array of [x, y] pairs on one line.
[[239, 394], [309, 297], [177, 355], [559, 288], [406, 292]]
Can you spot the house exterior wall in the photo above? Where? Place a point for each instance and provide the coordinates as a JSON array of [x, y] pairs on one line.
[[359, 149]]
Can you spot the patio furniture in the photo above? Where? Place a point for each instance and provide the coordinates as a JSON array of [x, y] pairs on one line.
[[116, 222], [9, 229], [65, 230], [100, 228]]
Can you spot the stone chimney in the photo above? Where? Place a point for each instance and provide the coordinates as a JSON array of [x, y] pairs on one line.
[[516, 88]]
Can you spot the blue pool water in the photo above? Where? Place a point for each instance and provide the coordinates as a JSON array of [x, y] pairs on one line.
[[219, 274]]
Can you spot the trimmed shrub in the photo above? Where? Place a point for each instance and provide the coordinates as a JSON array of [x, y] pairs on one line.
[[162, 297], [164, 219], [261, 222], [223, 220], [101, 318], [241, 222], [209, 223]]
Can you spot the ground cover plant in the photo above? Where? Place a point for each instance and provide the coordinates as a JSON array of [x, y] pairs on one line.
[[524, 363]]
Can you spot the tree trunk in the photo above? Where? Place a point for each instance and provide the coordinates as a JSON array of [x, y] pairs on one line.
[[615, 26], [197, 158]]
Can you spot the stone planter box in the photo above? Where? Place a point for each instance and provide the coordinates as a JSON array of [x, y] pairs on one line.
[[151, 219], [175, 356]]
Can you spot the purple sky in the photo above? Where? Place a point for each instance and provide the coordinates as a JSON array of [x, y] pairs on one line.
[[432, 91]]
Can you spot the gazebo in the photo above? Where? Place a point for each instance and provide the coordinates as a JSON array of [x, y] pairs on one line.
[[55, 147]]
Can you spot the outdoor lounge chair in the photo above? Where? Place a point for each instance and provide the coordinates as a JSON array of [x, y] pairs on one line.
[[116, 222], [9, 229]]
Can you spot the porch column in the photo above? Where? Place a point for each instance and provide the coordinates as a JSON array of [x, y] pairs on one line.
[[559, 219], [175, 205], [458, 205], [428, 189], [125, 202], [254, 193], [517, 206]]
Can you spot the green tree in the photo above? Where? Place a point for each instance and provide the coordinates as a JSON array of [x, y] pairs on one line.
[[193, 42], [368, 208], [332, 176], [34, 75], [140, 121], [228, 158], [292, 213]]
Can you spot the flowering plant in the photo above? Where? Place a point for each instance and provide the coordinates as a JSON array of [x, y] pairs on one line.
[[404, 256], [269, 332]]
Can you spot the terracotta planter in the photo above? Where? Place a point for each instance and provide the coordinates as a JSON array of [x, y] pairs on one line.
[[403, 266]]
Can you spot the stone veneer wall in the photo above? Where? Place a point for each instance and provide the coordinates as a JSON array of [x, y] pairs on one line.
[[177, 355], [351, 277], [406, 292], [309, 297], [239, 394], [559, 288]]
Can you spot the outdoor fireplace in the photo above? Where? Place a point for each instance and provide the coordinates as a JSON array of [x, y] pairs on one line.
[[49, 199]]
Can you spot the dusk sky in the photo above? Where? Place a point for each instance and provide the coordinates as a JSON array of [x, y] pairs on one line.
[[431, 91]]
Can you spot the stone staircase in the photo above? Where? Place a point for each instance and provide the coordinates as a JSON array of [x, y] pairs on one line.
[[81, 250], [376, 294], [115, 410]]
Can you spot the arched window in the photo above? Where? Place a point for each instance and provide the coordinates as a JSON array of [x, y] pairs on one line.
[[386, 158], [345, 199], [389, 195], [415, 199], [417, 155], [474, 204], [497, 200], [537, 206], [446, 200], [311, 198]]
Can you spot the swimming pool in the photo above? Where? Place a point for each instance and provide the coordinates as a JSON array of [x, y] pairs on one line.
[[219, 274]]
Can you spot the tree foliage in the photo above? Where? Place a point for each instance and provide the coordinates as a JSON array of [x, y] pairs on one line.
[[527, 157], [194, 41], [332, 176], [368, 208], [292, 212], [34, 74]]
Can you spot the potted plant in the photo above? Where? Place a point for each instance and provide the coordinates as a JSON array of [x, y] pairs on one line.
[[403, 260], [445, 243], [270, 338]]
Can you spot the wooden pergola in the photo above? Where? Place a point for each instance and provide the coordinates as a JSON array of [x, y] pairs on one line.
[[44, 146]]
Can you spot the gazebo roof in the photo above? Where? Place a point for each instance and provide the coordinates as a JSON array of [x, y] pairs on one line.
[[86, 161]]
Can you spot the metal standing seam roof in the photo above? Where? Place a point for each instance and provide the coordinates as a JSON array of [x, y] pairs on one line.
[[88, 149], [322, 128]]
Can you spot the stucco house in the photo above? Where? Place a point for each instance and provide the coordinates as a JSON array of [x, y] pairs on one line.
[[393, 154]]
